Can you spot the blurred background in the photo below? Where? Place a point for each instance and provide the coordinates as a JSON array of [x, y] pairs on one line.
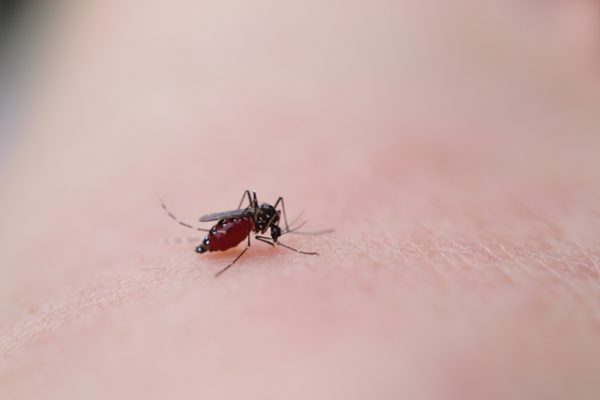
[[10, 13], [453, 145]]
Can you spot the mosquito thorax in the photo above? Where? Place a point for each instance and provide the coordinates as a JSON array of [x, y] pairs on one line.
[[267, 216]]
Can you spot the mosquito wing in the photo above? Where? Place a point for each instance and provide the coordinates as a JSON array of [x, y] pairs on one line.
[[242, 212]]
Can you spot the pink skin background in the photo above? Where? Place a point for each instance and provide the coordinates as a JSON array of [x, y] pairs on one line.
[[452, 145]]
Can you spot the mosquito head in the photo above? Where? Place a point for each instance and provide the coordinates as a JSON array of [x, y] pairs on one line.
[[275, 232]]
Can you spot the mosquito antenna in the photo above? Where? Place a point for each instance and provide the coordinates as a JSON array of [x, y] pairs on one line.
[[174, 218], [312, 233], [307, 233], [295, 229], [297, 218]]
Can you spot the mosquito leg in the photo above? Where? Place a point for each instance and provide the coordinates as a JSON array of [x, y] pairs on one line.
[[255, 205], [280, 200], [252, 202], [265, 239], [246, 194], [268, 240], [311, 253], [233, 262], [287, 228], [174, 218]]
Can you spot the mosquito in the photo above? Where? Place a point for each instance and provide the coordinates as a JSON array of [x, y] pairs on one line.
[[234, 226]]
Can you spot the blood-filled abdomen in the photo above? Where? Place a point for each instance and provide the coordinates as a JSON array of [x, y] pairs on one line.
[[228, 233]]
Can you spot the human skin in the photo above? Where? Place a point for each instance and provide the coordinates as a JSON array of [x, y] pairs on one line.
[[454, 149]]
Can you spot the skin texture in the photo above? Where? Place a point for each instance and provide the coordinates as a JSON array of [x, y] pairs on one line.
[[454, 148]]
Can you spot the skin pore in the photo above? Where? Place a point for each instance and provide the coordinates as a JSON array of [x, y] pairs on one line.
[[453, 147]]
